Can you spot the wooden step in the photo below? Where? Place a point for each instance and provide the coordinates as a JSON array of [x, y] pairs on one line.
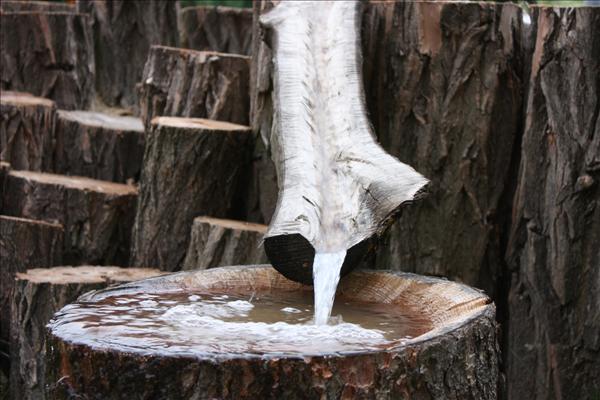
[[223, 29], [97, 215], [199, 84], [216, 242]]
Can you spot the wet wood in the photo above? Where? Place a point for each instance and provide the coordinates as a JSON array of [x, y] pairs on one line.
[[458, 358], [97, 215], [124, 30], [98, 145], [48, 54], [188, 83], [27, 127], [191, 167], [218, 242], [222, 29], [38, 294]]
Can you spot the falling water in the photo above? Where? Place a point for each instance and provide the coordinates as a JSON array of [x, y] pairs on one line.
[[326, 275]]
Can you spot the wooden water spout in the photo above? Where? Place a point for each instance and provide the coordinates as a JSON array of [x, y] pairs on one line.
[[338, 188]]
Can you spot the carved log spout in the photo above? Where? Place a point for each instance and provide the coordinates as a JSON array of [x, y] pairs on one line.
[[338, 189]]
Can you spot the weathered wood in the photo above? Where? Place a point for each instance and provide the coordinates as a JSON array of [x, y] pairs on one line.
[[222, 29], [4, 170], [124, 30], [27, 131], [188, 83], [553, 251], [457, 359], [191, 167], [219, 242], [24, 243], [97, 215], [100, 146], [38, 294], [44, 6], [48, 54]]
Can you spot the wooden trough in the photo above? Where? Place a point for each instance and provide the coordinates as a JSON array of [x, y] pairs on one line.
[[457, 358]]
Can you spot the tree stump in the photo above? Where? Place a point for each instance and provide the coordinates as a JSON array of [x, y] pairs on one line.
[[222, 29], [44, 6], [48, 54], [100, 146], [97, 215], [124, 30], [188, 83], [38, 294], [27, 131], [218, 242], [456, 359], [191, 167]]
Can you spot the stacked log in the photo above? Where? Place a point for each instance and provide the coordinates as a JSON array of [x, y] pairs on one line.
[[100, 146], [188, 83], [222, 29], [191, 167], [27, 131], [38, 294], [216, 242], [48, 54], [97, 215], [124, 30]]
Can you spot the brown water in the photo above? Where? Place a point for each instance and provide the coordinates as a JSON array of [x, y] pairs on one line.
[[216, 324]]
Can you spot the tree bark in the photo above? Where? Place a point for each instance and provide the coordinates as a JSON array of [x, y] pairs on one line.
[[457, 359], [191, 167], [24, 243], [124, 30], [99, 146], [27, 131], [222, 29], [97, 215], [49, 55], [38, 294], [553, 252], [219, 242], [43, 6], [4, 170], [188, 83]]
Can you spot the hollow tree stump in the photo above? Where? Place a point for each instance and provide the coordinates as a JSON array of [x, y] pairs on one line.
[[97, 215], [24, 243], [48, 54], [218, 242], [100, 146], [191, 167], [27, 131], [38, 294], [188, 83], [222, 29], [456, 359], [124, 30], [44, 6]]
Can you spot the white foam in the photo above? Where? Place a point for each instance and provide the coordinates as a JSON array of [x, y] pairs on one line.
[[326, 275]]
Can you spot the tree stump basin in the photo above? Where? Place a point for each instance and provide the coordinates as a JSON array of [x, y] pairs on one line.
[[107, 346]]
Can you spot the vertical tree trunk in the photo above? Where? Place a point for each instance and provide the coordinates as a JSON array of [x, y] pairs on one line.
[[188, 83], [191, 167], [27, 131], [222, 29], [554, 252], [124, 30], [49, 55]]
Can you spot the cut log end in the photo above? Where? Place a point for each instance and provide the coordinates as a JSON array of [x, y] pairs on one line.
[[198, 123], [102, 120], [24, 99]]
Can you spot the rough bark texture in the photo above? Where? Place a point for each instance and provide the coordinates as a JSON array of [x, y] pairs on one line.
[[49, 55], [124, 30], [45, 6], [219, 242], [24, 243], [554, 253], [97, 215], [456, 360], [222, 29], [4, 170], [191, 167], [27, 131], [99, 146], [38, 294], [188, 83]]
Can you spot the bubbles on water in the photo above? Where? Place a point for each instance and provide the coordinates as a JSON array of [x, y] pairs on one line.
[[290, 310]]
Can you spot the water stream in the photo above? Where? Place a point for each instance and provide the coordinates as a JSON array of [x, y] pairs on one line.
[[326, 276]]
